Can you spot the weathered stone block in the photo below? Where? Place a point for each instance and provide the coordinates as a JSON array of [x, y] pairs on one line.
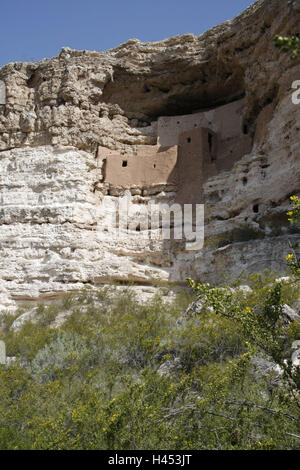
[[2, 92], [2, 353]]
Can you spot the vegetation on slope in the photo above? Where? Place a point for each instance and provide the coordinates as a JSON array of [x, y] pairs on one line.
[[120, 375], [176, 374]]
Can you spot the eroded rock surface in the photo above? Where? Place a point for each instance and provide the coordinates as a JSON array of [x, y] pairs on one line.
[[55, 205]]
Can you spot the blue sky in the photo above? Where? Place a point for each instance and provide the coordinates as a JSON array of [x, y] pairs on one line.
[[34, 29]]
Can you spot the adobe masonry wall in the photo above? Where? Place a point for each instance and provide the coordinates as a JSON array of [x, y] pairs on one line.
[[227, 121], [151, 165], [190, 149], [187, 165], [197, 153]]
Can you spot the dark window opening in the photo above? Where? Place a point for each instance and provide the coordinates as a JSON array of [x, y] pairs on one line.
[[245, 129], [154, 166], [255, 208], [210, 142], [124, 163], [189, 140], [245, 181]]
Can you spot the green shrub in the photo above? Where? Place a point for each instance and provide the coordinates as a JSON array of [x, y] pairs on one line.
[[121, 375]]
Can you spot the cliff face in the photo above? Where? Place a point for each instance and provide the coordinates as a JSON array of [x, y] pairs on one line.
[[55, 203]]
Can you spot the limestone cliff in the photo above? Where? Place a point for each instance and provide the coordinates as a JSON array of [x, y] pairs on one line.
[[60, 111]]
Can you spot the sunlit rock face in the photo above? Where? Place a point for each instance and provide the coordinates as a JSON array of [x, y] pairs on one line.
[[57, 228], [56, 206]]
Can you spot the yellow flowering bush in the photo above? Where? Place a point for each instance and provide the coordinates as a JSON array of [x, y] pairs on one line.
[[294, 219]]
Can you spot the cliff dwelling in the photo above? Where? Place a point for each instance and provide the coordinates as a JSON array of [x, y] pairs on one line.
[[190, 149], [190, 119]]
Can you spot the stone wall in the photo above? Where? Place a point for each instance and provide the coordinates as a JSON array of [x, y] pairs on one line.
[[227, 135], [227, 121], [151, 165], [195, 163], [186, 165]]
